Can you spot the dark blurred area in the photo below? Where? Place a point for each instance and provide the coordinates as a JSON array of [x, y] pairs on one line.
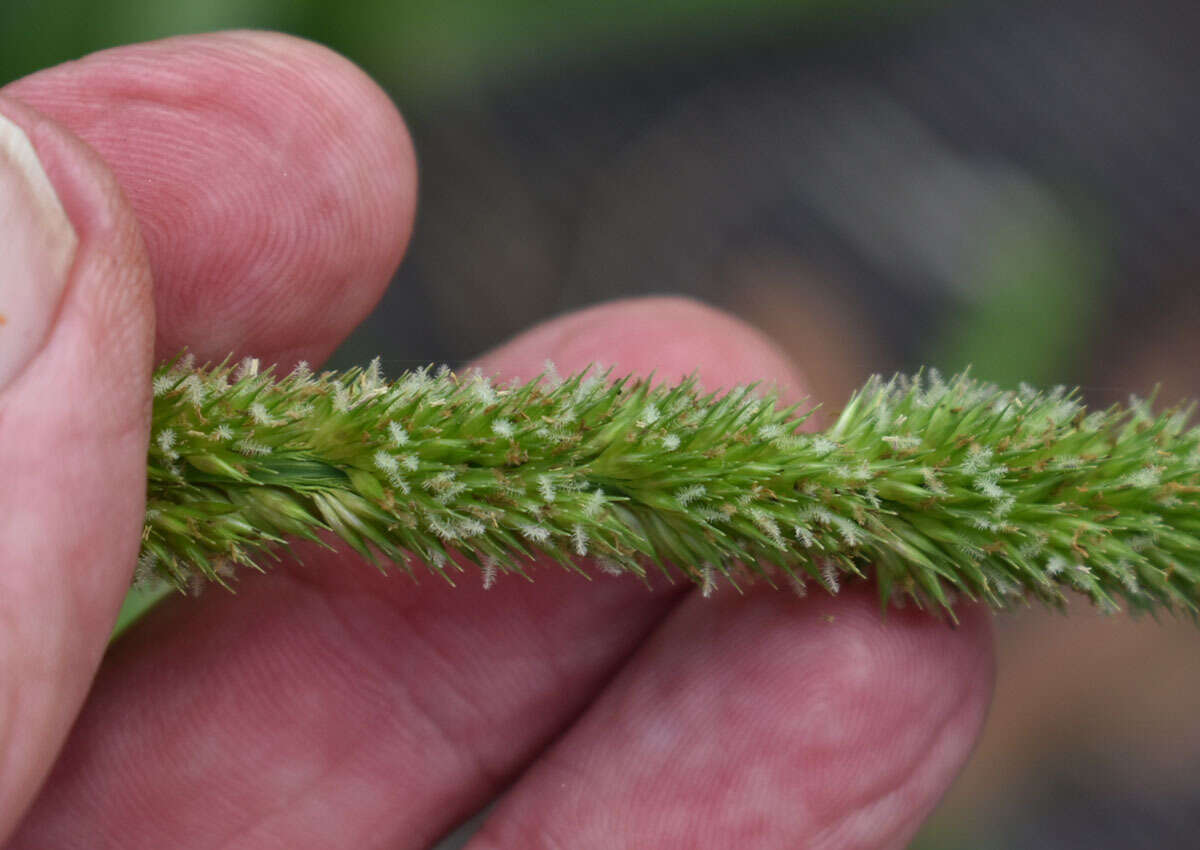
[[1012, 185]]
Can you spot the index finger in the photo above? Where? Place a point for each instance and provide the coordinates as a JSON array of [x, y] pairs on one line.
[[273, 181]]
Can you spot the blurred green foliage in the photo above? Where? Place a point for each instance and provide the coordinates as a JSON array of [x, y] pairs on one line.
[[432, 49], [1039, 288]]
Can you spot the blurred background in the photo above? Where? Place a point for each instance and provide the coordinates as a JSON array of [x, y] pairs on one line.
[[877, 185]]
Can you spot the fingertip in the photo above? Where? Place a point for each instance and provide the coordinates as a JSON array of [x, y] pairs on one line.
[[758, 716], [911, 692], [671, 336], [273, 180]]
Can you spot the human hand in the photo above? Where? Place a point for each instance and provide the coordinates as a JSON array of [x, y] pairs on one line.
[[325, 705]]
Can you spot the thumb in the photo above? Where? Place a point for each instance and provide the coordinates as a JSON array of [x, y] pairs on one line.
[[76, 333]]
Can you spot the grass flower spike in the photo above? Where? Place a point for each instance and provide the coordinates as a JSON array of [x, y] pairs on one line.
[[939, 488]]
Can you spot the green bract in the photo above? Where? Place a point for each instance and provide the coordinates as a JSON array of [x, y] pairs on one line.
[[937, 488]]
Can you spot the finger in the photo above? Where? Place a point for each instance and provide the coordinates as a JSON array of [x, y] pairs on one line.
[[329, 707], [76, 328], [764, 721], [273, 180], [670, 337]]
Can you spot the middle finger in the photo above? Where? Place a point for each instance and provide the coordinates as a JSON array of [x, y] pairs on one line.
[[326, 706]]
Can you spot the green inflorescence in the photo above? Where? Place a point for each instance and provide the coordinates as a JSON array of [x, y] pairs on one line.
[[938, 488]]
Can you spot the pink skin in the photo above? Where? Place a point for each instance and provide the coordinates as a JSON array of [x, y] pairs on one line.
[[325, 705]]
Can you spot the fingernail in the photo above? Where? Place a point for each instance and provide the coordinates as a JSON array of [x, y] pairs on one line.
[[37, 247]]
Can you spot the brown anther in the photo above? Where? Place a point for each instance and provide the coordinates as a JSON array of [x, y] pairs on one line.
[[1075, 544]]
